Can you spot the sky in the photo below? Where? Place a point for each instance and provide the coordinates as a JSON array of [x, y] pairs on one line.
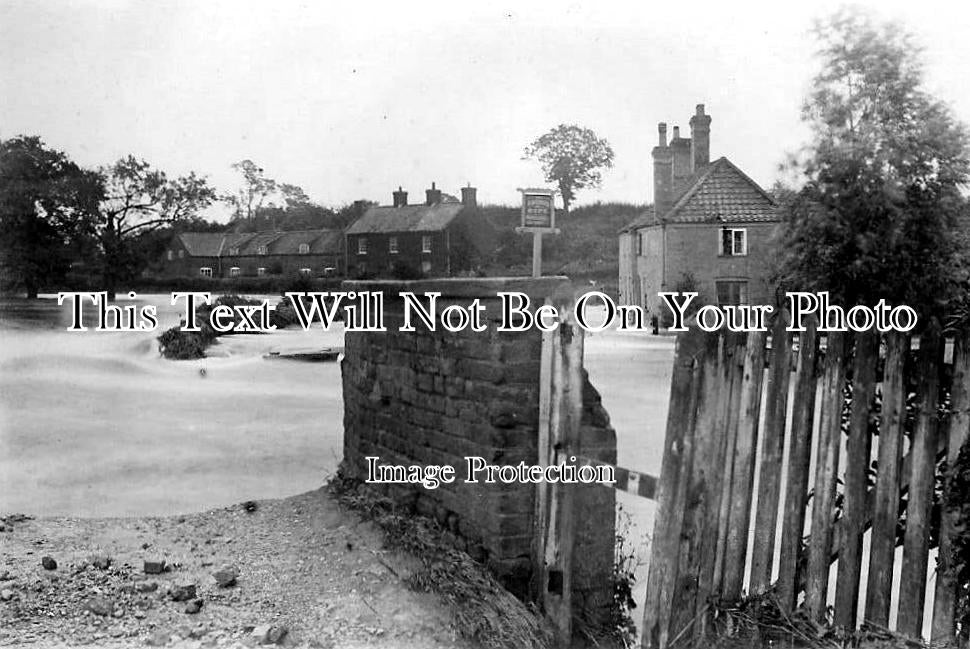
[[349, 100]]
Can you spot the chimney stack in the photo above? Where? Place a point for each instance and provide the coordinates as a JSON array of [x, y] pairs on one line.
[[662, 173], [432, 196], [469, 196], [700, 139], [680, 148], [400, 197]]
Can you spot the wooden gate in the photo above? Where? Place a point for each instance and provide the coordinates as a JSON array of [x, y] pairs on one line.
[[844, 432]]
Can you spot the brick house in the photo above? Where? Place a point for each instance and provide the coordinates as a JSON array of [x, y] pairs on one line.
[[709, 228], [438, 238], [317, 253]]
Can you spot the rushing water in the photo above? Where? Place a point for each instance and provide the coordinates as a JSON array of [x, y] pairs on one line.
[[98, 424]]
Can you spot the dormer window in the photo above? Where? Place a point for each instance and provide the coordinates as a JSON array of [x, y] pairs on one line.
[[304, 248], [261, 250], [234, 251], [171, 255], [362, 246], [426, 243]]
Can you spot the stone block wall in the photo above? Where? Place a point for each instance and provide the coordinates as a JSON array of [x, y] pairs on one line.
[[428, 397]]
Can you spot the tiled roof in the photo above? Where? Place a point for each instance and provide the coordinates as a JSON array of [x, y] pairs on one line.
[[217, 244], [409, 218], [721, 193]]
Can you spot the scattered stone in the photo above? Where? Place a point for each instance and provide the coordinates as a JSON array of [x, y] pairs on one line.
[[139, 614], [183, 591], [6, 595], [145, 546], [250, 506], [100, 606], [146, 586], [194, 606], [48, 563], [3, 527], [226, 576], [6, 576], [154, 566], [100, 561], [266, 634]]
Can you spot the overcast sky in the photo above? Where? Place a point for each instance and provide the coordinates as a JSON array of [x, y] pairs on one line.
[[351, 99]]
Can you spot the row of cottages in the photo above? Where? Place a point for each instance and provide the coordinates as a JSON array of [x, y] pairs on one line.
[[440, 237], [318, 253], [708, 230]]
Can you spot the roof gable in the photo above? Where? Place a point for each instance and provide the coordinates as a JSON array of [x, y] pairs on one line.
[[721, 193]]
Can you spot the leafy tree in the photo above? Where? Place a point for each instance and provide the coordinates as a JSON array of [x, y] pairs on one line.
[[139, 200], [879, 214], [256, 188], [573, 157], [48, 207]]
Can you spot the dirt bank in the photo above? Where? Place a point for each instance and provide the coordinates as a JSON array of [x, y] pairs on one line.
[[304, 565]]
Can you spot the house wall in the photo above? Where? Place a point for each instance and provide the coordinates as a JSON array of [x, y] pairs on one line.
[[629, 292], [694, 248], [379, 262], [650, 267], [280, 264], [185, 265], [428, 397]]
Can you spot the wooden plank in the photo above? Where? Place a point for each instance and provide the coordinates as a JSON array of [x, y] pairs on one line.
[[671, 493], [728, 375], [545, 454], [958, 424], [684, 621], [858, 450], [886, 505], [826, 474], [799, 461], [742, 481], [735, 345], [912, 591], [772, 453]]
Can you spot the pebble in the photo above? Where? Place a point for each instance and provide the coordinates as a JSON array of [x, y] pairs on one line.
[[194, 606], [226, 576], [48, 563], [100, 561], [154, 566], [6, 595], [183, 591], [100, 606]]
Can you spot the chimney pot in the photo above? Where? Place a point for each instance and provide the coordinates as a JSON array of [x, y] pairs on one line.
[[700, 109], [676, 132], [432, 196], [400, 197], [469, 196], [662, 130], [700, 139]]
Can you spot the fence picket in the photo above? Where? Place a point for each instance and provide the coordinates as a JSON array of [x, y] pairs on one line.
[[772, 451], [912, 590], [886, 505], [858, 450], [826, 474], [957, 426], [799, 460]]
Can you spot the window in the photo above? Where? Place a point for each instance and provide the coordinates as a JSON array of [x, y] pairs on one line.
[[306, 271], [261, 250], [734, 242], [362, 246], [181, 254], [171, 255], [260, 271], [234, 251], [392, 245], [639, 244], [731, 293], [304, 248], [362, 268], [425, 267], [234, 271], [329, 271], [205, 271], [426, 243]]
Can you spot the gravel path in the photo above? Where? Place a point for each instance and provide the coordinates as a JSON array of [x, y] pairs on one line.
[[305, 566]]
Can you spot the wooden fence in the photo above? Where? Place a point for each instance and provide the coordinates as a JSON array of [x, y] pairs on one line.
[[845, 432]]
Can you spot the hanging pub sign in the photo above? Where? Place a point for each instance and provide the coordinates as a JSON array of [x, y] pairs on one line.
[[538, 210]]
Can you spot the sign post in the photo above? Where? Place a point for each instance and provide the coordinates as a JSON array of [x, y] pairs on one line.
[[538, 217]]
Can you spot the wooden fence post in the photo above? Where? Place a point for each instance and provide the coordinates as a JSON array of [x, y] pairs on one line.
[[772, 451], [671, 492], [826, 473], [886, 505], [799, 461], [555, 525], [742, 480], [858, 449], [912, 591], [944, 602]]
